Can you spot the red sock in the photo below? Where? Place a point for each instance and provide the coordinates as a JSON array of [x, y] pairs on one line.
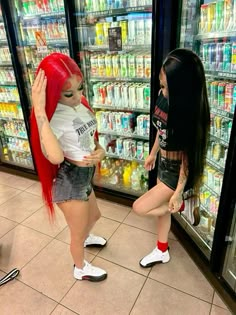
[[162, 246]]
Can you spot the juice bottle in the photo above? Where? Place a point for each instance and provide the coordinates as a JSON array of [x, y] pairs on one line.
[[219, 15], [135, 180], [127, 176], [233, 57]]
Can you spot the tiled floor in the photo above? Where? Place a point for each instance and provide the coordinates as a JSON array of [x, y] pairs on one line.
[[45, 285]]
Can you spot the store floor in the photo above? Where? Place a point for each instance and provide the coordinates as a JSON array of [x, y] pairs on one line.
[[46, 285]]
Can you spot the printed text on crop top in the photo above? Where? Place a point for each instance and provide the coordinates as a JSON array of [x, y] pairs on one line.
[[74, 128]]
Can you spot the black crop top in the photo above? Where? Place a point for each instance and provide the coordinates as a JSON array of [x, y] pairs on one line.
[[159, 120]]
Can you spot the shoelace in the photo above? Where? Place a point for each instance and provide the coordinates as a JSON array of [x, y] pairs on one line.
[[9, 276]]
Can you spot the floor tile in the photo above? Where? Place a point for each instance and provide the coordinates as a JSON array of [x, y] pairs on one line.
[[19, 246], [19, 299], [20, 207], [113, 211], [157, 298], [104, 227], [146, 223], [51, 271], [39, 221], [216, 310], [6, 225], [218, 301], [181, 273], [17, 182], [127, 246], [61, 310], [35, 189], [6, 193], [115, 295]]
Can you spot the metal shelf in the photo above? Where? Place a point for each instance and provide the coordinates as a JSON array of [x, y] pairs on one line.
[[112, 79], [125, 134], [126, 109], [214, 35]]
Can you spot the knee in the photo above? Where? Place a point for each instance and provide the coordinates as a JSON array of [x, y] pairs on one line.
[[137, 207]]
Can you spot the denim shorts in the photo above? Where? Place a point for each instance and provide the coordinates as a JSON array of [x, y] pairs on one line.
[[72, 182], [168, 171]]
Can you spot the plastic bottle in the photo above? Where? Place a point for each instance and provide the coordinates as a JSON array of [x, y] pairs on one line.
[[135, 180], [127, 176]]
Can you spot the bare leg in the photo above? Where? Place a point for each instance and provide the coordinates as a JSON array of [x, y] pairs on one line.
[[76, 213], [94, 212]]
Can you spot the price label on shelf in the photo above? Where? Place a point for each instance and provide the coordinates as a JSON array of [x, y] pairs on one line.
[[41, 42]]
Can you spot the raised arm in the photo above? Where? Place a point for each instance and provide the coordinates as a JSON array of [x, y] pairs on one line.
[[49, 143]]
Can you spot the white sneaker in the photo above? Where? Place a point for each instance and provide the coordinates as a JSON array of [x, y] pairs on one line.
[[89, 273], [155, 257], [96, 241]]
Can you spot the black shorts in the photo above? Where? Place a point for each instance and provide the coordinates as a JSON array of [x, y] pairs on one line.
[[72, 182], [168, 171]]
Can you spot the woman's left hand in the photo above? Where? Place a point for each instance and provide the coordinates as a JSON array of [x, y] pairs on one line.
[[95, 157], [175, 202]]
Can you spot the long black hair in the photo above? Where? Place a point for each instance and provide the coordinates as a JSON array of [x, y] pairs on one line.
[[189, 112]]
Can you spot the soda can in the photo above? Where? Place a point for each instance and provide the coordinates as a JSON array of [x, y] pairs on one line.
[[219, 15], [212, 56], [99, 31], [221, 95], [124, 31], [119, 146], [117, 94], [148, 31], [139, 66], [108, 66], [147, 66], [125, 95], [101, 66], [139, 96], [214, 93], [219, 56], [145, 150], [123, 66], [233, 57], [132, 31], [132, 96], [227, 52], [131, 66], [133, 148], [140, 32], [205, 55], [116, 66], [139, 153], [229, 88]]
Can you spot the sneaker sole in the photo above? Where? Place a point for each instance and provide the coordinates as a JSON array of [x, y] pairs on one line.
[[95, 245], [94, 279], [153, 263]]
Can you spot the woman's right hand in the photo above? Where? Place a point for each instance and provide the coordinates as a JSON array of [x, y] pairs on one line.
[[39, 91], [150, 162]]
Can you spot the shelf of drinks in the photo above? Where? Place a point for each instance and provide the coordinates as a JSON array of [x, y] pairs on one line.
[[196, 230], [10, 136], [26, 17], [211, 190], [222, 113], [127, 109], [125, 134], [8, 84], [3, 42], [15, 163], [5, 64], [103, 182], [119, 79], [116, 12], [219, 140], [215, 165], [215, 35], [122, 157], [220, 74], [60, 42], [98, 48]]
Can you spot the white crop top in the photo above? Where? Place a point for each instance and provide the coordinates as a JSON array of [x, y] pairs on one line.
[[74, 128]]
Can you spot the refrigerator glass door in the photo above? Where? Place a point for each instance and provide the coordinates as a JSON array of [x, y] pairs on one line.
[[209, 30], [114, 40], [41, 29], [14, 144], [229, 270]]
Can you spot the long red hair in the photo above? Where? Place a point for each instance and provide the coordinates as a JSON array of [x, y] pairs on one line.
[[58, 68]]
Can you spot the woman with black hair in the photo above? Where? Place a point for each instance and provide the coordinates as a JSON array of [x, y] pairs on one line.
[[182, 120]]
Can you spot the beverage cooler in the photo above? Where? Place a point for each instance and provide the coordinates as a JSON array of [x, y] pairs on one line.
[[209, 28], [14, 144], [114, 49]]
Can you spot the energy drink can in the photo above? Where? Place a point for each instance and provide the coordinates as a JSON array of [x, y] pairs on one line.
[[219, 56], [227, 52], [229, 88], [221, 95]]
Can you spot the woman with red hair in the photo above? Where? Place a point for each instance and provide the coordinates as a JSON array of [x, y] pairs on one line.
[[66, 150]]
